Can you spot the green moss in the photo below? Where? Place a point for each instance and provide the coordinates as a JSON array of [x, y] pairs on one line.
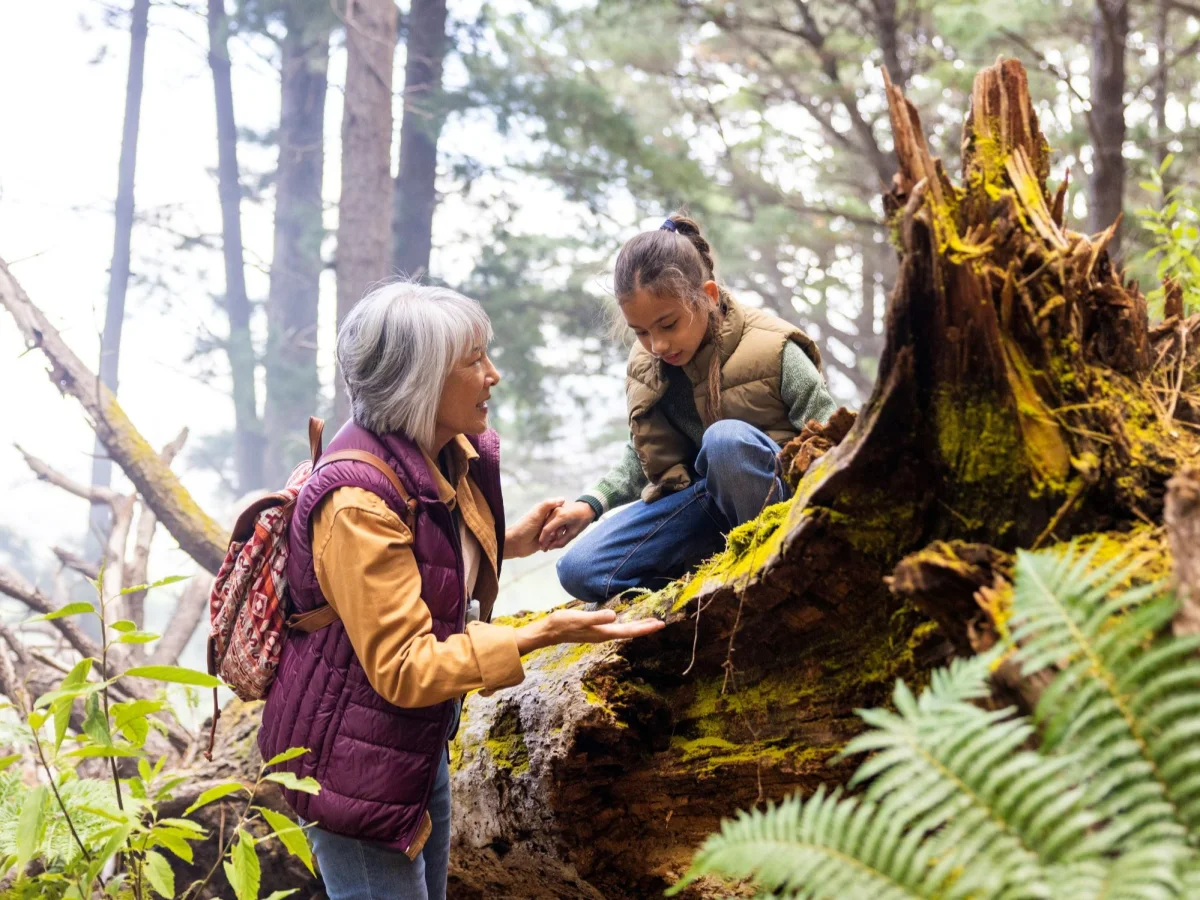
[[747, 548], [505, 743]]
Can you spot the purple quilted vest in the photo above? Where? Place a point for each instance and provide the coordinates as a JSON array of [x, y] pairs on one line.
[[375, 762]]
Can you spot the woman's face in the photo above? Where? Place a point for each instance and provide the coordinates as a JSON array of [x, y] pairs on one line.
[[669, 327], [463, 408]]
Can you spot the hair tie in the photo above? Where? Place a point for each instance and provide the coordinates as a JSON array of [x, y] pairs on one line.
[[668, 225]]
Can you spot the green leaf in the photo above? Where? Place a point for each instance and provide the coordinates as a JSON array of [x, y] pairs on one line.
[[105, 752], [174, 675], [158, 870], [95, 724], [1149, 186], [31, 825], [244, 874], [137, 637], [291, 834], [123, 625], [64, 697], [214, 793], [37, 719], [172, 840], [290, 753], [279, 895], [6, 761], [162, 582], [290, 781], [115, 842], [71, 609], [1166, 163], [69, 694]]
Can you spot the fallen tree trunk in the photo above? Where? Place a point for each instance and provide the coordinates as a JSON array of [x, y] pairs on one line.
[[1022, 400]]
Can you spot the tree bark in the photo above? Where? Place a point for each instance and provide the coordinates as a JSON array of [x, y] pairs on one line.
[[198, 535], [292, 385], [1106, 181], [365, 209], [248, 433], [118, 277], [420, 128]]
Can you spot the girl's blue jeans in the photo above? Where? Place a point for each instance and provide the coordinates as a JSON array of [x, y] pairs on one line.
[[363, 870], [649, 545]]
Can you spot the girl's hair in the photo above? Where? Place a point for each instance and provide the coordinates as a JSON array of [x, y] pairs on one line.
[[675, 261], [396, 348]]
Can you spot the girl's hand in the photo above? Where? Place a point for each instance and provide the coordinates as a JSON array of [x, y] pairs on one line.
[[566, 524], [521, 539], [574, 626]]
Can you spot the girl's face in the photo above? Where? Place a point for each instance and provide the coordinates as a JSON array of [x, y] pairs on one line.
[[669, 327]]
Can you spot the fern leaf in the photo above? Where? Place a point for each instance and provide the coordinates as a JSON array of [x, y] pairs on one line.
[[947, 767], [1127, 704], [825, 847]]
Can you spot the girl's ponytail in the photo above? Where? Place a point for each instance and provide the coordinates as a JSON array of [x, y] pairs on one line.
[[690, 229]]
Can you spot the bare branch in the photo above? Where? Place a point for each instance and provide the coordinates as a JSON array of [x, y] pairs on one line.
[[198, 534], [114, 553], [74, 561], [193, 604], [14, 585], [136, 571], [44, 472]]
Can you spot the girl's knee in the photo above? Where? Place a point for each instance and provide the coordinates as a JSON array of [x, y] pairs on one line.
[[730, 434], [573, 574]]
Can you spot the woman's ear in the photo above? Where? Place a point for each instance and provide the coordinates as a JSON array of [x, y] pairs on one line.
[[713, 291]]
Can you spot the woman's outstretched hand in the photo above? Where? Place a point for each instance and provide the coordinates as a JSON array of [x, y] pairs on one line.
[[575, 626], [566, 524], [522, 538]]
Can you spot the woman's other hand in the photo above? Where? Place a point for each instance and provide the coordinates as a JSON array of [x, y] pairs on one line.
[[566, 524], [522, 538], [575, 626]]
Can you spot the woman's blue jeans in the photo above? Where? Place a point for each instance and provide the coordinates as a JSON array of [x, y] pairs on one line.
[[363, 870], [651, 544]]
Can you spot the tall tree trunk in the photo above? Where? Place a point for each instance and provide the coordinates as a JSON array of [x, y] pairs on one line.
[[248, 436], [100, 517], [291, 361], [1159, 84], [420, 128], [1106, 184], [365, 209]]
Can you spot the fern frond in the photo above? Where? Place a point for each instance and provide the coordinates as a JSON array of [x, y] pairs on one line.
[[1127, 703], [948, 768], [825, 847]]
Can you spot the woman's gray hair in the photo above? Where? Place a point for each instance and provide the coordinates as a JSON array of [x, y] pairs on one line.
[[396, 348]]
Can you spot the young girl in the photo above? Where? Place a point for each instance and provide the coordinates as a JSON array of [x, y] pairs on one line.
[[714, 388]]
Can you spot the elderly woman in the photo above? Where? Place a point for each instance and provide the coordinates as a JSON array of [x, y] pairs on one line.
[[409, 578]]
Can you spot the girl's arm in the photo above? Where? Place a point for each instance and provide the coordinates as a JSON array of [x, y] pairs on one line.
[[623, 484], [803, 389]]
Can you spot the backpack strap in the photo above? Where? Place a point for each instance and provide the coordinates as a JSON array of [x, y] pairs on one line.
[[380, 466]]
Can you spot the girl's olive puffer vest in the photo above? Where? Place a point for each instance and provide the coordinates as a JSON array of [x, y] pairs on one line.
[[751, 348], [375, 762]]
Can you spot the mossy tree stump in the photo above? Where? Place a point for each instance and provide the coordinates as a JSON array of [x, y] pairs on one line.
[[1022, 400]]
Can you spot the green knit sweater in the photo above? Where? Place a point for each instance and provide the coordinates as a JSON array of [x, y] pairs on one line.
[[801, 387]]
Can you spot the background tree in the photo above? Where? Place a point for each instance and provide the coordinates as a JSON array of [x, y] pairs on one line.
[[292, 381], [420, 128], [99, 519], [364, 248], [248, 435]]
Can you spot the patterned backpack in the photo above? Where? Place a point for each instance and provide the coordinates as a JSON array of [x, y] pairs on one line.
[[248, 604]]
